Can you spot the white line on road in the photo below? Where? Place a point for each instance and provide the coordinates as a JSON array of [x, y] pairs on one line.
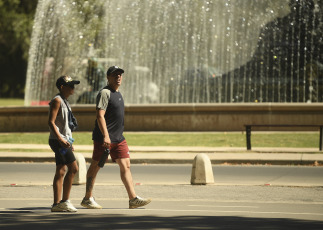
[[227, 206], [198, 210], [251, 212], [179, 200], [185, 210]]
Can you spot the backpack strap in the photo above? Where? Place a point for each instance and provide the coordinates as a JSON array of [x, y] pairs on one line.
[[66, 105]]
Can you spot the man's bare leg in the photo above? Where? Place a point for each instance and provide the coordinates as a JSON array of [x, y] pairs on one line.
[[126, 177], [90, 178]]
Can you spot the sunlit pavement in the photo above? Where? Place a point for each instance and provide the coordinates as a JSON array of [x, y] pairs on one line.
[[176, 205]]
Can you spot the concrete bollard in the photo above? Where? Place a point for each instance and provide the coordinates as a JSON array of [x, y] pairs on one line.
[[202, 172], [80, 176]]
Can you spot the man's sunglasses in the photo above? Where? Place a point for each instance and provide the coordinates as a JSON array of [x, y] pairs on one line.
[[115, 74], [71, 86]]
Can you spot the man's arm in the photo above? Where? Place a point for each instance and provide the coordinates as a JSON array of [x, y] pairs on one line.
[[103, 127]]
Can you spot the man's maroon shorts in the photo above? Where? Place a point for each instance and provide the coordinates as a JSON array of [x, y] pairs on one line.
[[117, 150]]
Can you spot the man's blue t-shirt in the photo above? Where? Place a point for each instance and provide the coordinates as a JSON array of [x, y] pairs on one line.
[[113, 104]]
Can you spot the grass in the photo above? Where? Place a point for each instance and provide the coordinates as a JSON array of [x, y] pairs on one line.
[[221, 139], [11, 102]]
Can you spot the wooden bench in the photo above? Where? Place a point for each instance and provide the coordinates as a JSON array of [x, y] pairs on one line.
[[248, 131]]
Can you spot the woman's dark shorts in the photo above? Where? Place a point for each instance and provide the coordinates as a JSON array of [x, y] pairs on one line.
[[61, 159]]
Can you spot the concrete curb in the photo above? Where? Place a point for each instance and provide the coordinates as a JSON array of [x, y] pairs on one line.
[[178, 161]]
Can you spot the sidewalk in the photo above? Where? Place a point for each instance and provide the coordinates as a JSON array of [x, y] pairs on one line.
[[175, 154]]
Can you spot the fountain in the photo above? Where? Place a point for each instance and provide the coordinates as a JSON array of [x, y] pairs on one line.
[[183, 51]]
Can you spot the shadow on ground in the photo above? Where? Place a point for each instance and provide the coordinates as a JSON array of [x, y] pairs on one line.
[[29, 219]]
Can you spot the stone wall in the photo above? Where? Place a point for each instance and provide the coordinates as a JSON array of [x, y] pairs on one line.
[[174, 117]]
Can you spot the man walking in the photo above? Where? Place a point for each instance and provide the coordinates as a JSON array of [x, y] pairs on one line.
[[108, 134]]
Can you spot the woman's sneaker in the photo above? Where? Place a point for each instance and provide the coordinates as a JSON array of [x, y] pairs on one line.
[[90, 203], [56, 208], [138, 202], [63, 206]]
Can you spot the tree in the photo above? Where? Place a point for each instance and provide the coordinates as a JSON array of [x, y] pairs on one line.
[[16, 20]]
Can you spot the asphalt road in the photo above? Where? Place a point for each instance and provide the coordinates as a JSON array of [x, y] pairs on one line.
[[42, 173], [243, 197]]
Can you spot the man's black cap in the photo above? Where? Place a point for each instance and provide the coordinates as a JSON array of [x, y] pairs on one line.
[[113, 69], [66, 80]]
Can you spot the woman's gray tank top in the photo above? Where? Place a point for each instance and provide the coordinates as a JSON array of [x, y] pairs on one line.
[[61, 121]]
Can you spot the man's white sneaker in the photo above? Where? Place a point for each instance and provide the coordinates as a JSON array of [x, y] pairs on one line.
[[138, 202], [64, 206], [90, 203]]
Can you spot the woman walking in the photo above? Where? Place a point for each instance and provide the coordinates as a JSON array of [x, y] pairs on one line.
[[60, 141]]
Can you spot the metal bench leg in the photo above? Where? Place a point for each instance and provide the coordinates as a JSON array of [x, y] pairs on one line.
[[248, 133], [321, 137]]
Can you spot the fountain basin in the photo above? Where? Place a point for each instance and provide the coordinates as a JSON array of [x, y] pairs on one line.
[[174, 117]]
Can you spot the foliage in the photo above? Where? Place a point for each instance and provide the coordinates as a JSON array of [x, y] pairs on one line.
[[16, 20]]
